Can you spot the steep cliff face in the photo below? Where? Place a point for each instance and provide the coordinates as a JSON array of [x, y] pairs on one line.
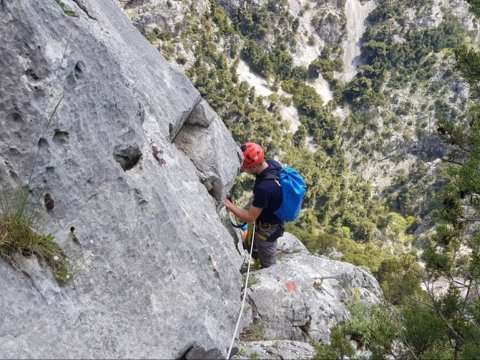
[[91, 111], [356, 14]]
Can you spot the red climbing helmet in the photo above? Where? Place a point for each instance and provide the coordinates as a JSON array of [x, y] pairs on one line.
[[252, 155]]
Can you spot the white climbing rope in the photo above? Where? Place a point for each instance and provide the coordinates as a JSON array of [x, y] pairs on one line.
[[244, 296]]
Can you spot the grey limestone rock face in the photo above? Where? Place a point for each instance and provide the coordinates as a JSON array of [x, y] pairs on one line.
[[85, 100], [330, 26], [303, 296], [206, 140]]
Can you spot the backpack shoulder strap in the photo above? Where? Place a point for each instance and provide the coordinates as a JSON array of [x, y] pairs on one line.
[[271, 175]]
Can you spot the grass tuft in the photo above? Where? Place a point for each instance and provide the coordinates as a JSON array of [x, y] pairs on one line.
[[253, 333], [252, 280], [18, 236]]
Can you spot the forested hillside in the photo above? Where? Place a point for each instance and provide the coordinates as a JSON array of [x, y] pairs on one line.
[[436, 308], [387, 137]]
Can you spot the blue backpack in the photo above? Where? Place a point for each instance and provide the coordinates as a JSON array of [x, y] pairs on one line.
[[293, 191]]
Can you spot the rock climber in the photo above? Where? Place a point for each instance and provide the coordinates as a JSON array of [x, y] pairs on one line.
[[267, 197]]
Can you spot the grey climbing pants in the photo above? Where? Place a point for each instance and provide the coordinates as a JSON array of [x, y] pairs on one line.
[[265, 244], [266, 251]]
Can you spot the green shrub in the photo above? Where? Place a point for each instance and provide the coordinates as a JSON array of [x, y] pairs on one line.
[[252, 280], [423, 329], [437, 261], [180, 59], [374, 327], [399, 277], [339, 347]]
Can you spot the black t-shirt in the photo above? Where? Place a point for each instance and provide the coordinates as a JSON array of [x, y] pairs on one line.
[[267, 194]]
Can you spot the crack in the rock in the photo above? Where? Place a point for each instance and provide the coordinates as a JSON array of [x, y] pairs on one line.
[[255, 313], [84, 9], [184, 120], [305, 328], [29, 277]]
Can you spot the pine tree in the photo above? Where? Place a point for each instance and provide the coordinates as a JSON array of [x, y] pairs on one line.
[[453, 255]]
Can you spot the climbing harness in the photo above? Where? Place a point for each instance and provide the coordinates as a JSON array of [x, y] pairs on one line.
[[244, 296]]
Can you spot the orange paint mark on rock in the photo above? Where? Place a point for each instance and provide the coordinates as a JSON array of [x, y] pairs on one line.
[[291, 286]]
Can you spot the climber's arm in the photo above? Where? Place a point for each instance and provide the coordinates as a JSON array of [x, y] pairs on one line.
[[249, 216]]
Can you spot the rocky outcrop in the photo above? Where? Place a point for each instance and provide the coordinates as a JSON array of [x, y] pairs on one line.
[[304, 295], [356, 14], [299, 300], [436, 12], [202, 139], [168, 15], [90, 112]]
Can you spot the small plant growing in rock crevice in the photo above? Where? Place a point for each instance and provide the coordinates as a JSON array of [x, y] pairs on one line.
[[253, 332], [66, 9], [18, 236], [254, 356], [252, 281]]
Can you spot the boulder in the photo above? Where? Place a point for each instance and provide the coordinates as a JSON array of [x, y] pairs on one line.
[[289, 244], [303, 296]]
